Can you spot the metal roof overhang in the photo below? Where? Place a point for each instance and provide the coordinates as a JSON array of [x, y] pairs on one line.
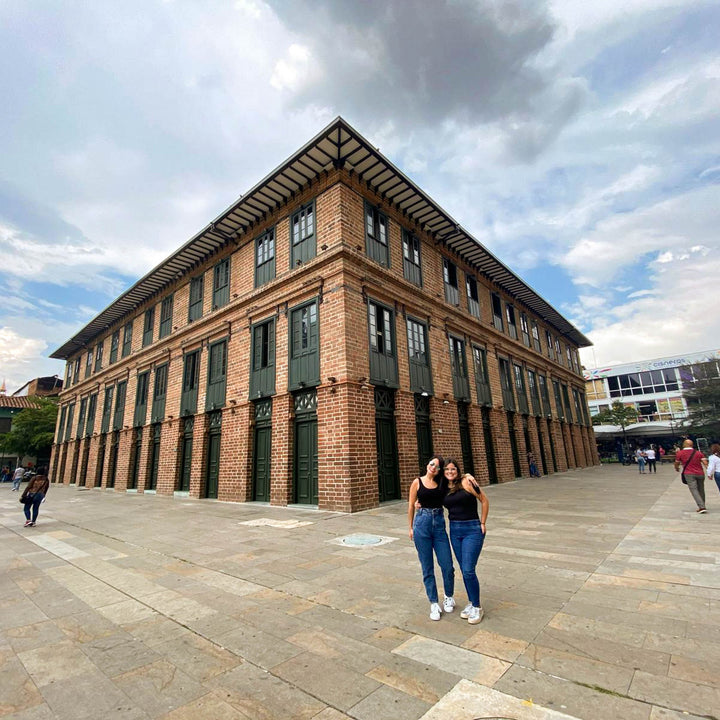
[[339, 145]]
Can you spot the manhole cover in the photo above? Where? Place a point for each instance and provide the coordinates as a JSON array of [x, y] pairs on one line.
[[362, 540]]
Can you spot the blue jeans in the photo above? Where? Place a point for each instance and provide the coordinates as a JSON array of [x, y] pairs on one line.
[[467, 541], [717, 479], [428, 535], [35, 505]]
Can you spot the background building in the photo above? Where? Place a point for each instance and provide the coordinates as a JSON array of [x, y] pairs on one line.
[[315, 344], [654, 388]]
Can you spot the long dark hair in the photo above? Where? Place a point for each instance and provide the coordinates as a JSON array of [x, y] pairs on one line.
[[456, 484]]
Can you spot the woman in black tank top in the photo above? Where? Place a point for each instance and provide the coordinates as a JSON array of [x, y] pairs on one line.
[[427, 531], [467, 532]]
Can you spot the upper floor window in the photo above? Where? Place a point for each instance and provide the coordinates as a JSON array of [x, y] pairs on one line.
[[411, 258], [114, 346], [520, 391], [506, 384], [451, 281], [166, 316], [534, 392], [302, 235], [381, 325], [217, 375], [148, 326], [265, 258], [512, 326], [98, 357], [550, 345], [221, 283], [159, 394], [141, 398], [568, 356], [419, 356], [195, 304], [558, 354], [127, 339], [262, 370], [304, 343], [76, 369], [68, 374], [535, 335], [524, 329], [190, 382], [88, 363], [376, 235], [558, 400], [473, 300], [458, 368], [496, 311], [544, 395], [482, 379]]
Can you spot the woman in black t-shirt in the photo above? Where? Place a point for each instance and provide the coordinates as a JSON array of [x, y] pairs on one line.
[[467, 532], [427, 531]]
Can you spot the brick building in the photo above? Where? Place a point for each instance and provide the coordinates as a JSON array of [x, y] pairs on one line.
[[315, 344]]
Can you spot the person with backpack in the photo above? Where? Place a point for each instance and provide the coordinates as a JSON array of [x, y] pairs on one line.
[[693, 465]]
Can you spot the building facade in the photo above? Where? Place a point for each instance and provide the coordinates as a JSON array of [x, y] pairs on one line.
[[653, 387], [315, 344]]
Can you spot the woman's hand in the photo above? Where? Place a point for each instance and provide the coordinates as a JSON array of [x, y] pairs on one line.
[[410, 533], [418, 506]]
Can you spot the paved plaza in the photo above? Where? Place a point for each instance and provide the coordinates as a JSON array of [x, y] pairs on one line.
[[601, 590]]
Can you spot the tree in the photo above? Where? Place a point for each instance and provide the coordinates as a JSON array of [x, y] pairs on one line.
[[703, 400], [618, 414], [33, 430]]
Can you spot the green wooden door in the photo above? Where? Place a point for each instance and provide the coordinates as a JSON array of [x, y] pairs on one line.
[[423, 430], [489, 446], [513, 443], [100, 460], [154, 458], [261, 474], [465, 441], [386, 440], [84, 463], [213, 466], [306, 476], [186, 455]]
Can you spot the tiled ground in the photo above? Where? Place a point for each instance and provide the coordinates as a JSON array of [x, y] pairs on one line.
[[601, 590]]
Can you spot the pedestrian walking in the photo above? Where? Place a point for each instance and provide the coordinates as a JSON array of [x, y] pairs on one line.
[[17, 477], [532, 465], [640, 459], [33, 495], [693, 465], [467, 532], [713, 467], [5, 474], [651, 460], [427, 531]]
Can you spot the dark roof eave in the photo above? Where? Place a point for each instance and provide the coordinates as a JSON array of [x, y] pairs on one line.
[[315, 157]]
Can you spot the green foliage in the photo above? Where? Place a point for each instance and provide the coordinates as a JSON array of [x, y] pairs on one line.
[[618, 414], [703, 400], [33, 430]]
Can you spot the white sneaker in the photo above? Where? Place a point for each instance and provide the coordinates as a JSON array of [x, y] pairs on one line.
[[475, 615], [434, 611], [465, 614], [448, 604]]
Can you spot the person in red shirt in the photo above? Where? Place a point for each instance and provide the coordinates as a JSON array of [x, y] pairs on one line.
[[693, 464]]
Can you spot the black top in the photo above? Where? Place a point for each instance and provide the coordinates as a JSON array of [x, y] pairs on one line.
[[461, 505], [432, 497]]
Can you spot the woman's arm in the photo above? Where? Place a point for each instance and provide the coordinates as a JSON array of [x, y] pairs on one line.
[[411, 505], [484, 510]]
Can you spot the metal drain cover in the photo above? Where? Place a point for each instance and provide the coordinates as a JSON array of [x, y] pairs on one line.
[[361, 539]]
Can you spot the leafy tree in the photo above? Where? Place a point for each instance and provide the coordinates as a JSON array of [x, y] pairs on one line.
[[33, 430], [618, 414], [703, 400]]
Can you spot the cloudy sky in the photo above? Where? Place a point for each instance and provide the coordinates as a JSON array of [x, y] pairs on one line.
[[580, 142]]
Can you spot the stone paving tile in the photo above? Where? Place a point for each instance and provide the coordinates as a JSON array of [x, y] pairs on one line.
[[604, 651], [469, 664], [199, 658], [356, 655], [388, 638], [598, 629], [17, 690], [37, 712], [89, 697], [495, 645], [676, 694], [209, 707], [568, 697], [55, 662], [389, 704], [262, 696], [578, 668], [257, 646], [469, 700], [86, 626], [20, 612], [29, 637], [118, 653], [159, 688], [705, 670], [326, 679], [127, 611]]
